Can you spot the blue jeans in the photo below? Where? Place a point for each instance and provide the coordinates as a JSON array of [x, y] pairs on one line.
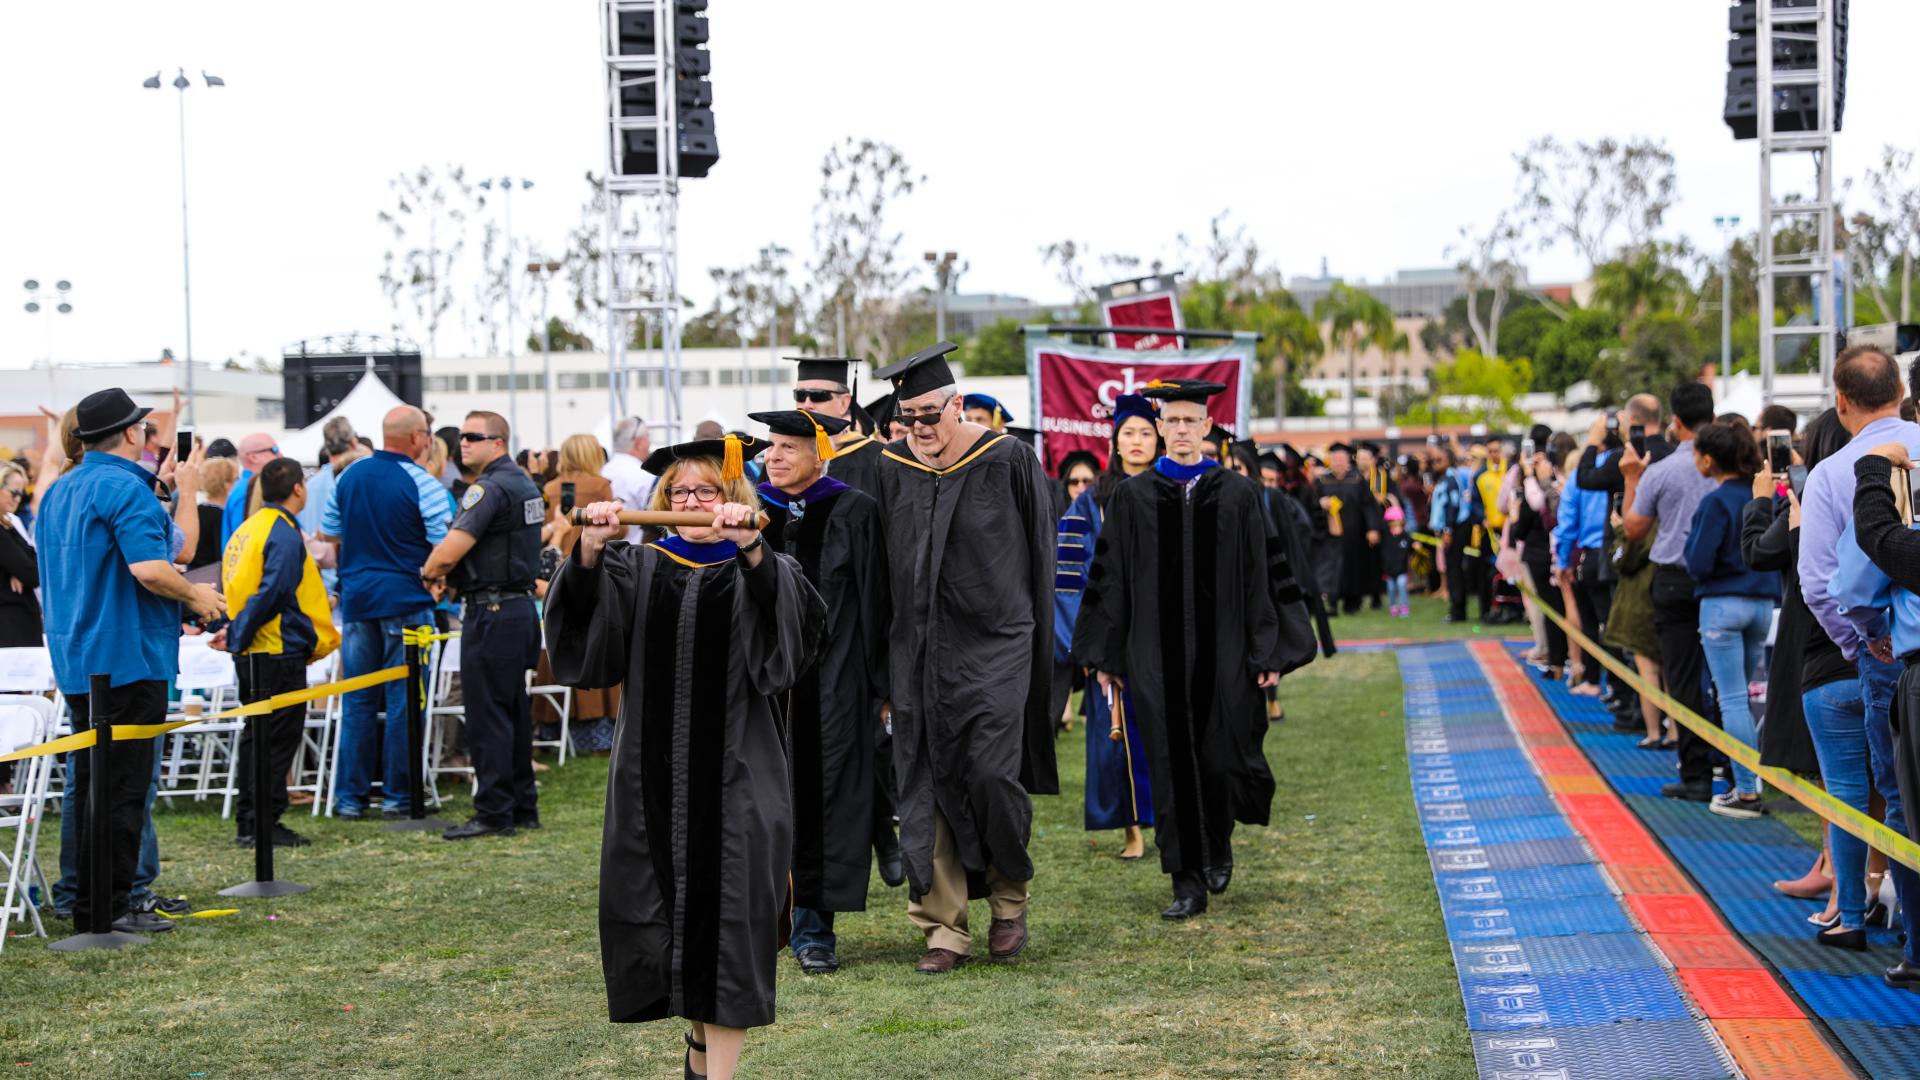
[[812, 930], [144, 871], [1877, 684], [1397, 591], [1733, 635], [1837, 720], [367, 646]]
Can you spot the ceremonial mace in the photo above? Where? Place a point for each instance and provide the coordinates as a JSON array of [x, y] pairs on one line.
[[666, 519]]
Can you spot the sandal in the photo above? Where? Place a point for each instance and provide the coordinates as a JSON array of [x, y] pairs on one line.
[[693, 1047], [1652, 742]]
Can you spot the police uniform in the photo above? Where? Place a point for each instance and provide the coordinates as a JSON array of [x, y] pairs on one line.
[[500, 638]]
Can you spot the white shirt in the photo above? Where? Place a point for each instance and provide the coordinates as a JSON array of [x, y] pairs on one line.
[[632, 485]]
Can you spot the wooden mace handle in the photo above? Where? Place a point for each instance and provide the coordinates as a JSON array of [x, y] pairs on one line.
[[668, 519]]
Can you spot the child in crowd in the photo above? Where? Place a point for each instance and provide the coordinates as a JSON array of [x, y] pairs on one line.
[[1396, 551]]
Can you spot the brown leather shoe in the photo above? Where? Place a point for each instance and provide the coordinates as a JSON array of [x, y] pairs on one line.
[[939, 962], [1007, 937]]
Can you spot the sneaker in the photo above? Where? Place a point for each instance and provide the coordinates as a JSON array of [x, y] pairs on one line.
[[1730, 804], [282, 837], [169, 906]]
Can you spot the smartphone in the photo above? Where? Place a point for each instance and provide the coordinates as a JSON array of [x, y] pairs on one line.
[[1613, 424], [1637, 435], [1433, 440], [182, 443], [1913, 494], [566, 496], [1797, 479], [1779, 451], [1619, 500], [1526, 450]]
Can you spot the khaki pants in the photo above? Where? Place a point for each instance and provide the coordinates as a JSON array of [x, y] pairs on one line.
[[942, 913]]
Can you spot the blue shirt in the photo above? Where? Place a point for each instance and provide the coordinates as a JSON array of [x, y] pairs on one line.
[[1826, 512], [1669, 492], [1452, 500], [1864, 595], [388, 513], [1583, 518], [97, 521], [1713, 547], [235, 510]]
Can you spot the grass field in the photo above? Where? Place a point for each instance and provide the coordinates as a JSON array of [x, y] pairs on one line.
[[414, 956]]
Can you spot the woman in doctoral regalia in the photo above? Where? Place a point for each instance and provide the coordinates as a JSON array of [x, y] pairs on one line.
[[1118, 794], [706, 627]]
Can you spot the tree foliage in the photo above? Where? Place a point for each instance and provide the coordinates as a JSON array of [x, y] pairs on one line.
[[998, 349], [856, 264], [1570, 349], [1484, 388], [1663, 351], [1601, 197], [420, 272]]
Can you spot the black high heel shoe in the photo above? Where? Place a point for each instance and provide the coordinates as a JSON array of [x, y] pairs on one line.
[[1855, 939], [691, 1048]]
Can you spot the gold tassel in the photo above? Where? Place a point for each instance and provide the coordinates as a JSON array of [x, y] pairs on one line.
[[822, 442], [733, 465], [999, 419]]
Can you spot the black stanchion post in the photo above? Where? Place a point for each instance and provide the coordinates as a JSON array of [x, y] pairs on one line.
[[417, 640], [97, 882], [261, 776]]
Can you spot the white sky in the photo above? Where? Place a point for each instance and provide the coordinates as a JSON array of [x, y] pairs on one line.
[[1367, 131]]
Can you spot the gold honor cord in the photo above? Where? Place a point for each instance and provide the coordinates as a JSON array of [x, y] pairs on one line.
[[1828, 808], [80, 740]]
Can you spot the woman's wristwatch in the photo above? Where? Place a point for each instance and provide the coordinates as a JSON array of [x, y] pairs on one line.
[[758, 542]]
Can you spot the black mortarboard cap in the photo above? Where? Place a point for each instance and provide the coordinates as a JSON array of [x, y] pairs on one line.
[[1194, 390], [1270, 459], [731, 451], [1077, 457], [923, 372], [800, 424], [829, 368], [882, 409], [1342, 447]]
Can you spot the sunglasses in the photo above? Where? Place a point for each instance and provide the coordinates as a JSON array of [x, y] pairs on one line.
[[929, 419], [474, 436], [818, 397]]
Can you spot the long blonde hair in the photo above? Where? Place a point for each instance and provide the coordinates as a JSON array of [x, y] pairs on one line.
[[582, 454]]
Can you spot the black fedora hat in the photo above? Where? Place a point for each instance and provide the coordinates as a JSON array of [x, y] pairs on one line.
[[104, 412]]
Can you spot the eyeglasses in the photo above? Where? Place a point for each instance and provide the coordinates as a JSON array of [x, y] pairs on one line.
[[705, 493], [475, 436], [1187, 421], [818, 397]]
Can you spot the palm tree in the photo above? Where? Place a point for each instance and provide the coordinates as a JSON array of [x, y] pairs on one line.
[[1638, 283], [1356, 318]]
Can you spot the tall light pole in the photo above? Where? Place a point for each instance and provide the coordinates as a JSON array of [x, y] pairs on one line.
[[506, 270], [1727, 224], [180, 83], [770, 261], [49, 305], [543, 271], [943, 279]]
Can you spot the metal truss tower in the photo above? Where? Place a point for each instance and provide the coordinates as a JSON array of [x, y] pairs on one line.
[[641, 239], [1780, 28]]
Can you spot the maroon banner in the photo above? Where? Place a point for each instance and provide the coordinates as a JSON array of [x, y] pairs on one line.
[[1078, 386], [1159, 310]]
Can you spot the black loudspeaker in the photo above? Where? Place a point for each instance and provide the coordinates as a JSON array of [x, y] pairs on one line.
[[313, 384], [1793, 49]]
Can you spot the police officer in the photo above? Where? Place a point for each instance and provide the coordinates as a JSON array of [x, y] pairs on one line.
[[492, 551]]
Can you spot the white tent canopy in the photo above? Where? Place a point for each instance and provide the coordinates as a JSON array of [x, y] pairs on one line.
[[365, 407]]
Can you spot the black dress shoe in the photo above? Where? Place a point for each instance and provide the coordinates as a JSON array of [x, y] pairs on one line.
[[142, 922], [893, 870], [1836, 938], [1681, 789], [1217, 878], [1185, 907], [1903, 976], [530, 821], [818, 961], [475, 827]]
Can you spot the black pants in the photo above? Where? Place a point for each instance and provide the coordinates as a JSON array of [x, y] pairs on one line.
[[1594, 599], [130, 770], [1457, 583], [1480, 570], [499, 644], [1676, 621], [1541, 571], [284, 727]]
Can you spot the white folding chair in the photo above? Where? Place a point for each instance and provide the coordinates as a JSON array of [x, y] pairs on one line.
[[25, 719], [208, 684], [320, 737], [29, 670], [561, 698], [443, 668]]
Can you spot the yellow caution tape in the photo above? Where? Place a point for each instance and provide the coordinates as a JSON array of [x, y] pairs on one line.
[[80, 740], [1423, 538], [1828, 808], [424, 635]]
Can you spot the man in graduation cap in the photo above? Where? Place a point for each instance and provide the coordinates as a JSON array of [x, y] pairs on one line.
[[970, 548], [822, 389], [834, 531], [1344, 492], [1193, 606], [986, 410]]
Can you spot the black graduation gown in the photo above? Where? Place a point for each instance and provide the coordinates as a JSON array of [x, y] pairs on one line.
[[1295, 529], [858, 466], [697, 845], [833, 709], [970, 551], [1359, 514], [1190, 599]]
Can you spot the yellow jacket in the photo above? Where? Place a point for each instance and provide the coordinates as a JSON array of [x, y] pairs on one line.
[[275, 597], [1488, 482]]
